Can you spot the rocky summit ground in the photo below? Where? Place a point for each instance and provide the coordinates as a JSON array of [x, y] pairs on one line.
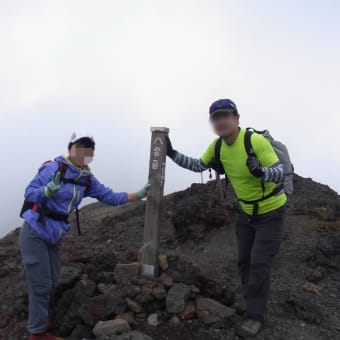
[[101, 296]]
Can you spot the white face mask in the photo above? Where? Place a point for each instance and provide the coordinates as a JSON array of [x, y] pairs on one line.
[[88, 159]]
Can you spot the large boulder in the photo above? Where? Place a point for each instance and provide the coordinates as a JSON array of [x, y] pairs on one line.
[[199, 208], [211, 312]]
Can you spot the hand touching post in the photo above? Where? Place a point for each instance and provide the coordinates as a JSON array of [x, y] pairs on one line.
[[139, 195], [142, 193]]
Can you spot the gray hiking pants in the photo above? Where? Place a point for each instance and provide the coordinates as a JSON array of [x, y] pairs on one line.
[[41, 264], [259, 240]]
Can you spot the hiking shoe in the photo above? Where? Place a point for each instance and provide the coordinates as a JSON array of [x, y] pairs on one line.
[[44, 336], [249, 328]]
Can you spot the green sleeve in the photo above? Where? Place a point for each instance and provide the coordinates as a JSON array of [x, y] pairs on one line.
[[209, 154], [264, 150]]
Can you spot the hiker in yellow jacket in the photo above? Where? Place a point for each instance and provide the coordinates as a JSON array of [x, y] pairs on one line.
[[257, 181]]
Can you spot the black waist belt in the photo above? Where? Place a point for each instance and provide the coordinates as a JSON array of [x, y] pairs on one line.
[[55, 216], [276, 191], [43, 212]]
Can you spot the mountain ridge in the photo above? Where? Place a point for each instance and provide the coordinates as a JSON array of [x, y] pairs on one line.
[[197, 237]]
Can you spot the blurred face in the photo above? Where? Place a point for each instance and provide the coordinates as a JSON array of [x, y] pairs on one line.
[[80, 155], [225, 123]]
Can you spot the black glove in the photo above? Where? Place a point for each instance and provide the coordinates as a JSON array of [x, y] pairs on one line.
[[169, 149], [254, 166]]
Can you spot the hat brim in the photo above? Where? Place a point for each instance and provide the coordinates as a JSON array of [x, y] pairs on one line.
[[223, 111]]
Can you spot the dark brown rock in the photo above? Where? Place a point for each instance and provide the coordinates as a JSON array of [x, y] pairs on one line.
[[133, 305], [159, 292], [125, 272], [101, 308], [189, 311], [166, 280]]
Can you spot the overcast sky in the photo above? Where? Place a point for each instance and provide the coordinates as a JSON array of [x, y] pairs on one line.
[[115, 68]]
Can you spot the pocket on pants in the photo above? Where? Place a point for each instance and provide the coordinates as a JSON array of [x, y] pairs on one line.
[[37, 280], [32, 268], [30, 259]]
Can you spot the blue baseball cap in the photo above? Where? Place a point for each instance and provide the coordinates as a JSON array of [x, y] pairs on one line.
[[222, 105]]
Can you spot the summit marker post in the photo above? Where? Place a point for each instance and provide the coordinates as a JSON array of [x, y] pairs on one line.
[[150, 249]]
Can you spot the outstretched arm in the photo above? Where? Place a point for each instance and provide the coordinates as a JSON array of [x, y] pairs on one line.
[[186, 162], [107, 195], [189, 163]]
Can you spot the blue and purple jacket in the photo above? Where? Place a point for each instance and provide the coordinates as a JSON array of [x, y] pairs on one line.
[[66, 199]]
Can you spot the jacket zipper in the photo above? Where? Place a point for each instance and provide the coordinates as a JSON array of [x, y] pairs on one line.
[[74, 195]]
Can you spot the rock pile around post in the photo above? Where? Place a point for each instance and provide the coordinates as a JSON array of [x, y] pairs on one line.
[[112, 305]]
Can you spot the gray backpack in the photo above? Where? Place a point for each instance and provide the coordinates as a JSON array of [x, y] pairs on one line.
[[280, 149]]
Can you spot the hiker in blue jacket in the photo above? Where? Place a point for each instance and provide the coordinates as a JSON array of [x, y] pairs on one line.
[[55, 192]]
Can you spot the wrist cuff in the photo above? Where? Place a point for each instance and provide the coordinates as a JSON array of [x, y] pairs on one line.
[[265, 172], [46, 192]]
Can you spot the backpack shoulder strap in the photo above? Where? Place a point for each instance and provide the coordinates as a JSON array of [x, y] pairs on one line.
[[218, 146], [88, 182], [62, 169], [247, 142], [49, 161]]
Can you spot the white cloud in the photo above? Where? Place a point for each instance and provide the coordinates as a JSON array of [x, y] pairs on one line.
[[118, 67]]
